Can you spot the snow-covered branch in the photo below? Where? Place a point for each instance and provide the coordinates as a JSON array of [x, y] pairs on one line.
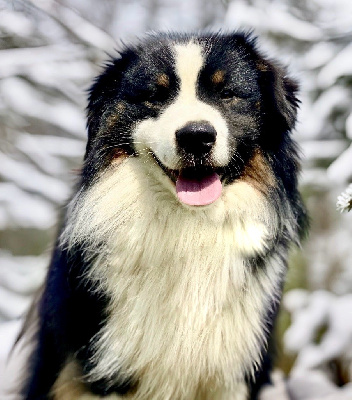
[[344, 201]]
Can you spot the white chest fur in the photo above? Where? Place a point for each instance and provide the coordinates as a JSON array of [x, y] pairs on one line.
[[186, 315]]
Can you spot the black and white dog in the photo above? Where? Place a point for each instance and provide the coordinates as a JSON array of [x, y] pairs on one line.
[[168, 271]]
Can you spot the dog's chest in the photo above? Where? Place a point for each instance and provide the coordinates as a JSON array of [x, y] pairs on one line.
[[184, 305], [186, 310]]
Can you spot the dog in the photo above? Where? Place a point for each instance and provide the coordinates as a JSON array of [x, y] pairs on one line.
[[168, 270]]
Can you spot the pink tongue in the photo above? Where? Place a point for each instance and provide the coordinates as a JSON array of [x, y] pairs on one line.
[[199, 192]]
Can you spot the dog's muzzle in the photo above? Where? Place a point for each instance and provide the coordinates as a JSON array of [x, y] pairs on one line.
[[197, 184]]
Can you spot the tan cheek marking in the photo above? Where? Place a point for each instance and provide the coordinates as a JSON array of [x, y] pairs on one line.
[[218, 77], [118, 156], [163, 80], [258, 173]]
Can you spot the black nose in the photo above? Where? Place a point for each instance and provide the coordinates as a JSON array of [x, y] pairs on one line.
[[196, 138]]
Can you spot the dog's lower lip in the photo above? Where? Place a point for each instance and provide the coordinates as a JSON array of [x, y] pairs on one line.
[[171, 173]]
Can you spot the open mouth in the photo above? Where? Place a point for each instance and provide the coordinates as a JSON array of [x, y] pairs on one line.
[[195, 186]]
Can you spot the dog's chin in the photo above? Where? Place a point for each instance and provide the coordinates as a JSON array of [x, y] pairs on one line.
[[199, 184]]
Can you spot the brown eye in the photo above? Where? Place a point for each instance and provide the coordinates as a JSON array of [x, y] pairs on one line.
[[156, 96], [227, 94], [159, 95]]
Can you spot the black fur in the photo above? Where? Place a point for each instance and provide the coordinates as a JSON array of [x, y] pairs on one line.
[[71, 310]]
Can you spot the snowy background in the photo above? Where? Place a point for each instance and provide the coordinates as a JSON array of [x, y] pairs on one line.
[[49, 53]]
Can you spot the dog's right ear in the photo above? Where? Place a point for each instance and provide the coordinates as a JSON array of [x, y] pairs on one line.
[[280, 97], [279, 101]]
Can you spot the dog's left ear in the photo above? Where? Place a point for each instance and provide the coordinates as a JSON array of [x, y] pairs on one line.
[[280, 95]]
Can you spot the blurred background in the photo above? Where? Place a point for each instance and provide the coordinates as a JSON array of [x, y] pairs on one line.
[[49, 53]]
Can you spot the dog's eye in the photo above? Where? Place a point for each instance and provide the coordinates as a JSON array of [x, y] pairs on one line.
[[153, 96], [158, 95], [227, 94]]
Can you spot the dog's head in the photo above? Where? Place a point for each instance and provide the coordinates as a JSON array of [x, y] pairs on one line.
[[197, 110]]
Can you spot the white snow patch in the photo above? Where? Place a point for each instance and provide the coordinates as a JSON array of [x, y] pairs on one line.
[[15, 23], [25, 100], [53, 145], [319, 55], [274, 17], [20, 209], [20, 278], [316, 118], [26, 176], [315, 386], [340, 171], [349, 126], [322, 149], [339, 66], [22, 274], [310, 314], [8, 334]]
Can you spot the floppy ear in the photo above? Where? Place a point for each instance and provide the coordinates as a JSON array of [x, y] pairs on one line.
[[280, 101], [102, 93], [104, 106]]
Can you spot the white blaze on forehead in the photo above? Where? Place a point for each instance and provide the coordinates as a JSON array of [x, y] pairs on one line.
[[189, 61]]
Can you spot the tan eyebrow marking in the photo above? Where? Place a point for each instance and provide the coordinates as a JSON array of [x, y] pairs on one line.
[[218, 77], [163, 80]]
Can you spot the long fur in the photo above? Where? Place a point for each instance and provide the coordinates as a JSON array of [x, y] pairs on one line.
[[147, 298]]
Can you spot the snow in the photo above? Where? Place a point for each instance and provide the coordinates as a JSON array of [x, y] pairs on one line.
[[314, 121], [344, 201], [8, 334], [341, 169], [316, 386], [20, 277], [52, 145], [20, 209], [319, 55], [22, 60], [273, 17], [349, 126], [86, 32], [338, 67], [25, 176], [24, 100], [315, 178], [324, 149], [14, 272], [15, 23], [310, 313], [302, 386], [12, 360]]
